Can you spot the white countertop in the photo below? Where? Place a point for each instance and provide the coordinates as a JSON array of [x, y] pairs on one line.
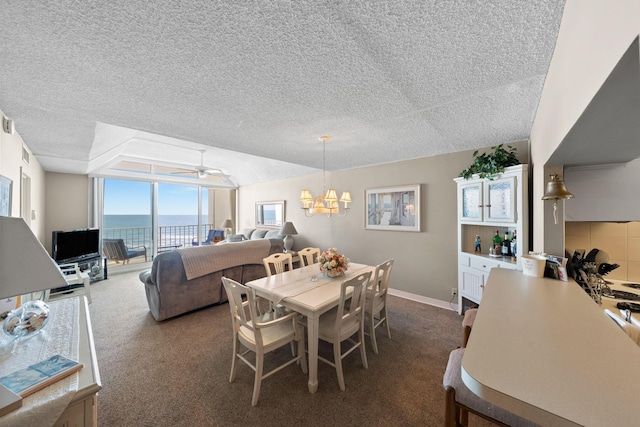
[[543, 349]]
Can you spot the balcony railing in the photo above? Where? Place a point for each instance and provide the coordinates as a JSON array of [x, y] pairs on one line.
[[169, 237]]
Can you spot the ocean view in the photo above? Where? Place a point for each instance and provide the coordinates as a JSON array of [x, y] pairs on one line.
[[176, 230], [129, 221]]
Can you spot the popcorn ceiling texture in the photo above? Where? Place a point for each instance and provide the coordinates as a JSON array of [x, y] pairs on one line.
[[386, 80]]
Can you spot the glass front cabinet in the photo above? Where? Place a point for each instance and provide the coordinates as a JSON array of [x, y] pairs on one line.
[[487, 200], [488, 210]]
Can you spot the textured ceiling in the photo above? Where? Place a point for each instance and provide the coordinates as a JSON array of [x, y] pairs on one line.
[[86, 82]]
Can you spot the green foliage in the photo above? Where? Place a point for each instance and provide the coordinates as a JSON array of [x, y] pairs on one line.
[[487, 165]]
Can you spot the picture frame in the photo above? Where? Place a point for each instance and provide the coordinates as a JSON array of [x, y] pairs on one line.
[[5, 196], [393, 208], [270, 214]]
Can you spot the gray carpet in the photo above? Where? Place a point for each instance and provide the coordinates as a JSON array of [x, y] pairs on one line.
[[175, 372]]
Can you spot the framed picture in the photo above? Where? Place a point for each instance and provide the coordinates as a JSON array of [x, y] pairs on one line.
[[5, 196], [393, 208], [270, 214]]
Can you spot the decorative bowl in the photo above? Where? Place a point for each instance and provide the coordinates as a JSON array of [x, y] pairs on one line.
[[27, 319]]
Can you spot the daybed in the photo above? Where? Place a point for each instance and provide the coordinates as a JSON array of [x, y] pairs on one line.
[[186, 279]]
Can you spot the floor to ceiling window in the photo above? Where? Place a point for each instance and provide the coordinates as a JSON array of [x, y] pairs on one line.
[[181, 221], [156, 217], [128, 215]]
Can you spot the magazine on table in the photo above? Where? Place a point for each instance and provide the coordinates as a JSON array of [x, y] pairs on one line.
[[39, 375]]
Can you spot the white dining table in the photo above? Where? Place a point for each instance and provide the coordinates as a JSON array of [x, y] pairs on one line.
[[306, 291]]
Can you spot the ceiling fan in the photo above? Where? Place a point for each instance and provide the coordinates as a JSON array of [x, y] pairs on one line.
[[202, 171]]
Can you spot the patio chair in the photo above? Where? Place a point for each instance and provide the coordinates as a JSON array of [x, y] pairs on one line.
[[214, 236], [116, 250]]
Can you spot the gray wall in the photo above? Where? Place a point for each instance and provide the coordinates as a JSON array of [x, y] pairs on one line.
[[425, 262]]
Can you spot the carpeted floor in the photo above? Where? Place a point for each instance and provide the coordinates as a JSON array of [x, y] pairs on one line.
[[175, 372]]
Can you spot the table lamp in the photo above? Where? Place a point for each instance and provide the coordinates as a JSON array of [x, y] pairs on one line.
[[25, 266], [288, 230], [227, 225]]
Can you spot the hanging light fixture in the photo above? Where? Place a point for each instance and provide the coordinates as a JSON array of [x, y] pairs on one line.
[[327, 202], [556, 190]]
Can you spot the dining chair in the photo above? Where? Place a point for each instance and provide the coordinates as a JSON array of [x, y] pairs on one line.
[[259, 334], [459, 400], [376, 301], [278, 263], [275, 264], [344, 321], [309, 256], [467, 324]]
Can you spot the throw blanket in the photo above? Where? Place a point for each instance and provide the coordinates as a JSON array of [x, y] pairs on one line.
[[202, 260]]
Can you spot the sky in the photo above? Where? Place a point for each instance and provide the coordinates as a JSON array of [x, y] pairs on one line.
[[134, 198]]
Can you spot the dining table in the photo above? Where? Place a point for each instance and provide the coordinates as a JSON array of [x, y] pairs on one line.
[[307, 291]]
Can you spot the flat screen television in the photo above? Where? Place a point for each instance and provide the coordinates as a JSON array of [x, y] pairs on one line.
[[75, 245]]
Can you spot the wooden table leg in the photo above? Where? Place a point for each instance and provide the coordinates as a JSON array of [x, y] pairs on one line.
[[312, 337]]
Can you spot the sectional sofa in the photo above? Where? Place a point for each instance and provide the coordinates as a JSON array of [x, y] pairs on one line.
[[187, 279]]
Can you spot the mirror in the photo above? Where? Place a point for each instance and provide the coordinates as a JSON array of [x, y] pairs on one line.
[[270, 214]]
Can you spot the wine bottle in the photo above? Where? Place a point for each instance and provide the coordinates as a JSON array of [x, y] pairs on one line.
[[497, 243], [506, 244], [514, 244]]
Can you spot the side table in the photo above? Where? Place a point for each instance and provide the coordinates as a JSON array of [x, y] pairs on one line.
[[83, 409]]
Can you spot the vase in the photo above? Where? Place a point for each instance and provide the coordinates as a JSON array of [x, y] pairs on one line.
[[333, 274]]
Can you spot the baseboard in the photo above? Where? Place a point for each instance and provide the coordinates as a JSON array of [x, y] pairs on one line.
[[424, 300]]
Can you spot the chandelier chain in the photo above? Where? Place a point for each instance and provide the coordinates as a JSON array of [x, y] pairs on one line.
[[324, 166]]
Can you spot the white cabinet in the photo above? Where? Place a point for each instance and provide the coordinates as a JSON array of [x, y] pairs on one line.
[[484, 207], [487, 200]]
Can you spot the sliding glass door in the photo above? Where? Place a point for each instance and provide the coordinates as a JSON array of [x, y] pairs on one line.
[[155, 216], [127, 215], [182, 220]]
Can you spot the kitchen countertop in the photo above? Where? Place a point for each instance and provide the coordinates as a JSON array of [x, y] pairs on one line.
[[542, 349]]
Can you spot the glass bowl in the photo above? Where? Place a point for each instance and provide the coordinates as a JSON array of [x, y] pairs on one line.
[[27, 319]]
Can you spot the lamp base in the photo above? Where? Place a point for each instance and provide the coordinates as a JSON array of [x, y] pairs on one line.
[[288, 243]]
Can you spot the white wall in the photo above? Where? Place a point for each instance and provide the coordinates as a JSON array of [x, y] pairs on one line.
[[425, 263], [67, 203], [12, 166], [594, 34]]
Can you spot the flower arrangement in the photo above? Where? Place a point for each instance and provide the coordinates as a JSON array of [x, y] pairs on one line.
[[333, 264]]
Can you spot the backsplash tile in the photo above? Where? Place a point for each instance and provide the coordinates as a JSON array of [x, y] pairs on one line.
[[620, 240]]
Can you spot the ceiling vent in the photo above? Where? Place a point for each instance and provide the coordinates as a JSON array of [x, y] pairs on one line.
[[7, 125]]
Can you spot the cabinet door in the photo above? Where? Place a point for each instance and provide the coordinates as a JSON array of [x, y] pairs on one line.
[[500, 200], [470, 202], [471, 283]]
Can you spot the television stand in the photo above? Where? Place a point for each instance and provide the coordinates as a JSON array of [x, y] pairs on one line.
[[95, 267]]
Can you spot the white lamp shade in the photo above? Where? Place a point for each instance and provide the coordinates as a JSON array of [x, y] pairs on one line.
[[227, 224], [346, 197], [25, 265], [331, 196], [305, 196]]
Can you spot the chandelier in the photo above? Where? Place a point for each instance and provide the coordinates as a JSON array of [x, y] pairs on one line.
[[326, 203]]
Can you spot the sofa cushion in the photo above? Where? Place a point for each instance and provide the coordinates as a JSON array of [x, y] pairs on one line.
[[236, 238], [273, 234], [248, 232], [258, 234]]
